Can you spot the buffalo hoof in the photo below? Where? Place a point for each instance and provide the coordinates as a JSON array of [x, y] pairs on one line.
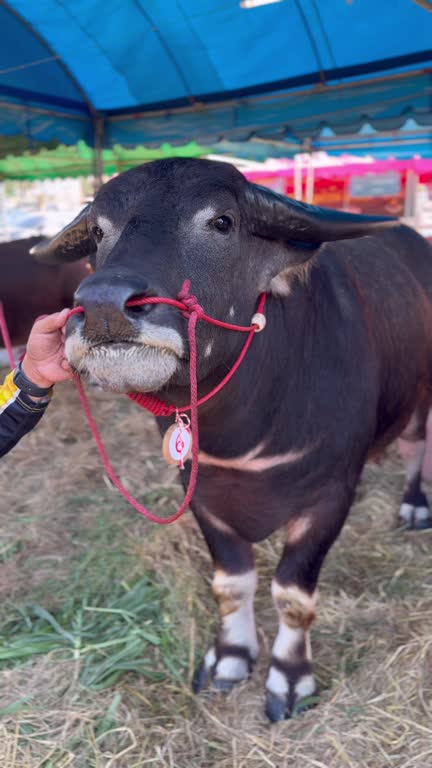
[[223, 669], [277, 708], [201, 678], [290, 690], [415, 517], [226, 686]]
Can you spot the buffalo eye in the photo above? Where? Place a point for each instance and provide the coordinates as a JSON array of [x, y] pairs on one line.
[[223, 223], [98, 234]]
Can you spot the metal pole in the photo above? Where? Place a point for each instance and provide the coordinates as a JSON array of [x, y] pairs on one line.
[[310, 180], [297, 177], [98, 127]]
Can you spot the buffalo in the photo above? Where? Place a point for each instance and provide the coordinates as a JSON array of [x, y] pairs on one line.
[[342, 369], [29, 289]]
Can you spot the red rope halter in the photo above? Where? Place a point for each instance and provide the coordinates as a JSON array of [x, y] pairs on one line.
[[188, 304]]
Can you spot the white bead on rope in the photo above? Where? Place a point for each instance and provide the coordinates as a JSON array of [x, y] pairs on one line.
[[259, 320]]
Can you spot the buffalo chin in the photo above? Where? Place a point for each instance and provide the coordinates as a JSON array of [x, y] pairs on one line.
[[124, 368]]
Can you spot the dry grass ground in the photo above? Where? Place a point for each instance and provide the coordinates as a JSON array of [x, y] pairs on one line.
[[91, 593]]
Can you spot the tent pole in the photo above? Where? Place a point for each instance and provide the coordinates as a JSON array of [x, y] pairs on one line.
[[98, 132]]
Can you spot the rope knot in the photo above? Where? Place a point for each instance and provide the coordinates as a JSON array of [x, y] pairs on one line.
[[190, 301]]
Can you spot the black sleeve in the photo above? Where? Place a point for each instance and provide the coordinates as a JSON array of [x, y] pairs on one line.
[[17, 418]]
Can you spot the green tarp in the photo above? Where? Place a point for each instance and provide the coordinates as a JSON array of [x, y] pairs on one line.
[[78, 160]]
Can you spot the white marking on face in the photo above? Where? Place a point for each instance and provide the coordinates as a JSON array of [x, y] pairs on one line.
[[105, 224], [280, 285], [111, 233], [202, 217], [231, 311], [208, 349], [235, 596], [250, 461], [160, 337], [142, 366]]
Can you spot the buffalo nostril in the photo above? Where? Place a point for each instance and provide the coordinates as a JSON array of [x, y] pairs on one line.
[[132, 309], [139, 309]]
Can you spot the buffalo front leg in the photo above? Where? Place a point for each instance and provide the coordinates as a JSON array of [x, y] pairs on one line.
[[229, 660], [415, 448], [290, 685]]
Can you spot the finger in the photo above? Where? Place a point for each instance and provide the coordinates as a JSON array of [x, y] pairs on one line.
[[50, 323], [65, 365]]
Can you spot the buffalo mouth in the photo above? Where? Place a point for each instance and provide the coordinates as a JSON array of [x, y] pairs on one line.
[[140, 365]]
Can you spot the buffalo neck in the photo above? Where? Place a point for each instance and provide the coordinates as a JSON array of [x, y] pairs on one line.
[[269, 388]]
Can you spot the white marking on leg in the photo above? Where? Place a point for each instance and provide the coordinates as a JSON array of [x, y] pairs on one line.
[[295, 606], [412, 454], [287, 641], [276, 682], [408, 513], [306, 686], [296, 610], [210, 658], [232, 668], [427, 460], [235, 596], [298, 528]]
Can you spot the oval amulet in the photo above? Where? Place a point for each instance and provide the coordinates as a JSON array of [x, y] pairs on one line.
[[177, 442]]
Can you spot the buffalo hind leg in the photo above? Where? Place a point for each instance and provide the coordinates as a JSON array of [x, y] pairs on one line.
[[230, 659], [290, 685], [414, 444]]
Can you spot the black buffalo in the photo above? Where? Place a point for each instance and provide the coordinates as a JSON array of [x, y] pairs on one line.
[[29, 289], [343, 368]]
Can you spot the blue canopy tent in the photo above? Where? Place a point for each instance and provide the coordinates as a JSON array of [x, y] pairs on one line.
[[151, 71]]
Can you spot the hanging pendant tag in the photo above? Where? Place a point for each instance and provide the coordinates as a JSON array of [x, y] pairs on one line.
[[177, 442]]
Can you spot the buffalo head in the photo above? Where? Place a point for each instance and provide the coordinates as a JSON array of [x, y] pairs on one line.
[[153, 227]]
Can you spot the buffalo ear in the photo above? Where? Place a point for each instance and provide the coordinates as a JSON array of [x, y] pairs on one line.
[[297, 231], [277, 217], [72, 243], [280, 218]]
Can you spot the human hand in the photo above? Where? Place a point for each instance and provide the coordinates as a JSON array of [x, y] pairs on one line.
[[44, 362]]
